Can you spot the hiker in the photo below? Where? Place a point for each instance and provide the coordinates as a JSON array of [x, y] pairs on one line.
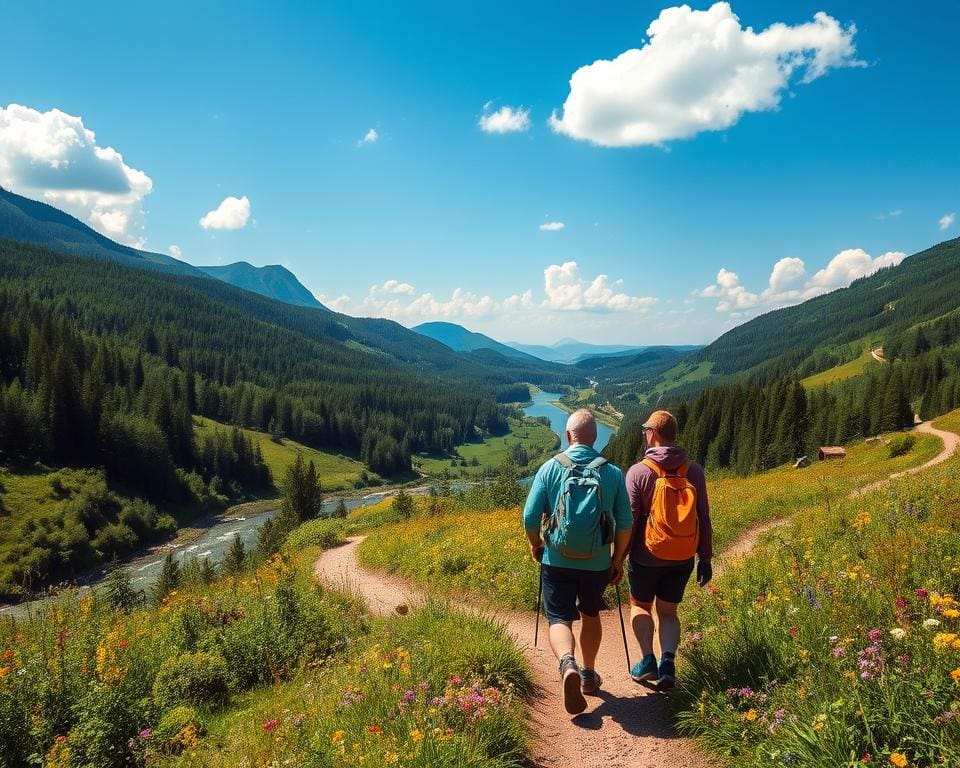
[[668, 496], [577, 507]]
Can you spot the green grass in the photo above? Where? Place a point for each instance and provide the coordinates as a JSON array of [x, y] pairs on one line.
[[485, 553], [836, 642], [538, 440], [336, 471], [682, 373], [841, 372]]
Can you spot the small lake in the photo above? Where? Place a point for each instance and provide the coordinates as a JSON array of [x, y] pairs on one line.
[[543, 405]]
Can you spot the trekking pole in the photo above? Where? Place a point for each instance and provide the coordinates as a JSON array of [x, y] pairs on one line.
[[536, 628], [623, 630]]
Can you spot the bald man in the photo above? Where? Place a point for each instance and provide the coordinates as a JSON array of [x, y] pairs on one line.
[[574, 582]]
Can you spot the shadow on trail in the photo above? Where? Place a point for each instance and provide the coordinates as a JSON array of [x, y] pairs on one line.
[[640, 715]]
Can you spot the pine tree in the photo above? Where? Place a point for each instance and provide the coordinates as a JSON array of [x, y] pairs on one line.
[[235, 557], [403, 504], [302, 493], [341, 510], [119, 591], [168, 580]]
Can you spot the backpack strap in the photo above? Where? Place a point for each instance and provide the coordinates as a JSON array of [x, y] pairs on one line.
[[563, 460], [683, 469], [597, 463], [657, 469]]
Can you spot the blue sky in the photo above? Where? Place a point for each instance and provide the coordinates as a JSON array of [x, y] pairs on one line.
[[708, 184]]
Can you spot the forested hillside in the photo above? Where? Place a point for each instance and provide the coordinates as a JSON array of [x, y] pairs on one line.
[[273, 281]]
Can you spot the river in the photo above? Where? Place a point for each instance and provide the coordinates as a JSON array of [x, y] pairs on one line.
[[214, 540]]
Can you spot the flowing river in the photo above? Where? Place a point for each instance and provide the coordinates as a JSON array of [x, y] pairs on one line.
[[214, 540]]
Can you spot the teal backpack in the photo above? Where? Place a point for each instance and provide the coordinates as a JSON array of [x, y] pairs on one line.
[[578, 527]]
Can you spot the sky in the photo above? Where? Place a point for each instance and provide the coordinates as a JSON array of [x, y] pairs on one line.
[[636, 172]]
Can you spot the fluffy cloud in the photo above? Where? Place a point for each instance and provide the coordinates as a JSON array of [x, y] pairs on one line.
[[53, 157], [699, 71], [370, 137], [946, 221], [176, 252], [504, 120], [552, 226], [565, 290], [232, 213], [888, 215], [789, 284]]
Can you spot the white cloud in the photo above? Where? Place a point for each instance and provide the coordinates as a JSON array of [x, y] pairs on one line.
[[176, 252], [232, 213], [504, 120], [370, 137], [888, 215], [946, 221], [700, 71], [789, 284], [552, 226], [52, 156], [565, 291]]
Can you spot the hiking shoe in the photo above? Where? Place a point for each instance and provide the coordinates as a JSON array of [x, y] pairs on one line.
[[590, 682], [645, 670], [573, 700], [668, 674]]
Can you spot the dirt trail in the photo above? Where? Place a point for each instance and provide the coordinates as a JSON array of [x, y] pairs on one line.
[[625, 727], [744, 544], [605, 736]]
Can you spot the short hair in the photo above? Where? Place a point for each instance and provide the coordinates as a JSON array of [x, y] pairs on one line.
[[583, 424]]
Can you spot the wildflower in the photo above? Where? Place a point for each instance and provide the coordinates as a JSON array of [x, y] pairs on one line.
[[956, 675], [337, 737], [898, 759], [943, 640], [951, 613], [416, 735], [374, 729], [751, 715], [930, 623], [145, 734], [875, 635], [818, 722], [269, 725], [408, 697], [898, 633], [901, 602], [921, 593], [4, 671]]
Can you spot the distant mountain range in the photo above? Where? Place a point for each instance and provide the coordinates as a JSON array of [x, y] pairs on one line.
[[460, 339], [572, 351], [274, 281]]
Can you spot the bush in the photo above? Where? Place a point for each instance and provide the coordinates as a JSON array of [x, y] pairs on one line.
[[198, 678], [177, 728], [901, 445], [321, 533]]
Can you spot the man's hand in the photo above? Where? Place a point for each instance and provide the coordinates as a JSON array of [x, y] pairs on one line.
[[616, 573], [536, 552], [704, 572]]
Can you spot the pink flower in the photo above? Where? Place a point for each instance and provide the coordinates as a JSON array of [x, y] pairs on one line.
[[921, 592], [270, 725]]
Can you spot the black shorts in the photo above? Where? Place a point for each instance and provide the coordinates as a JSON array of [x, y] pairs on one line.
[[568, 592], [666, 582]]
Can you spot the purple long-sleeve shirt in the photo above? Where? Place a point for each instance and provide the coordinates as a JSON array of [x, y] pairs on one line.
[[640, 481]]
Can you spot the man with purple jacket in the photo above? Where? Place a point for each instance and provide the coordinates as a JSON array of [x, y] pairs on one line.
[[656, 581]]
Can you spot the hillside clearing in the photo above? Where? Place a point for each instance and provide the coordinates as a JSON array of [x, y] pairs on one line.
[[842, 372]]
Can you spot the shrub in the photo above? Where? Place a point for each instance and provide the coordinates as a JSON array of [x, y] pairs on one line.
[[901, 445], [177, 728], [198, 678], [323, 533]]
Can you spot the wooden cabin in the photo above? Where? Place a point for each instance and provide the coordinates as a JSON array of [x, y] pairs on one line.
[[831, 452]]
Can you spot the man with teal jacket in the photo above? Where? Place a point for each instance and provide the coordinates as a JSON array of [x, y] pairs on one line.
[[577, 567]]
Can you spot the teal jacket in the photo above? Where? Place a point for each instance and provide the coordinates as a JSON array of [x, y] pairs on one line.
[[546, 489]]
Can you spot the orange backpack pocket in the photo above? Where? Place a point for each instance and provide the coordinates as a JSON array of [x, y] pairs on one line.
[[673, 528]]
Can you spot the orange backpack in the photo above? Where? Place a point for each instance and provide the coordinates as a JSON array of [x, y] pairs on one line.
[[673, 528]]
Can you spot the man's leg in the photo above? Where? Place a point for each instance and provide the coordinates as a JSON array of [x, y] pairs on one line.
[[641, 619], [668, 627], [562, 642], [591, 633], [560, 602]]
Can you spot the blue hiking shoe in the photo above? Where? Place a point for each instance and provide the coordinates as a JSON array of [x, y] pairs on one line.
[[667, 674], [645, 670]]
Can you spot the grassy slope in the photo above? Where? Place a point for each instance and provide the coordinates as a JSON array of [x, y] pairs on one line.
[[537, 439], [831, 644], [486, 553], [841, 372], [682, 373], [336, 471]]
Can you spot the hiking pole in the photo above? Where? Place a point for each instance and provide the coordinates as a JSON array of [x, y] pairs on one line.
[[623, 630], [536, 628]]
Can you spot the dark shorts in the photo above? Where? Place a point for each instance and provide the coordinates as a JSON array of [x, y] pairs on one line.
[[568, 592], [666, 582]]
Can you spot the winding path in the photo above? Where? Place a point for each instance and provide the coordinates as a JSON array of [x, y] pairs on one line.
[[606, 735]]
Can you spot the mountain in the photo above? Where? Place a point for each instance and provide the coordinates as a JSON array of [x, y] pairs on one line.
[[30, 221], [821, 332], [274, 281], [460, 339], [571, 351]]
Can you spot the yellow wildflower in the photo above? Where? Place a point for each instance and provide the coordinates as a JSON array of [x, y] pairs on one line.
[[337, 737], [956, 675], [416, 735], [898, 759], [751, 715], [951, 613]]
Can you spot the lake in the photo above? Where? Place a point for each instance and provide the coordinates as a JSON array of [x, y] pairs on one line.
[[543, 406]]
